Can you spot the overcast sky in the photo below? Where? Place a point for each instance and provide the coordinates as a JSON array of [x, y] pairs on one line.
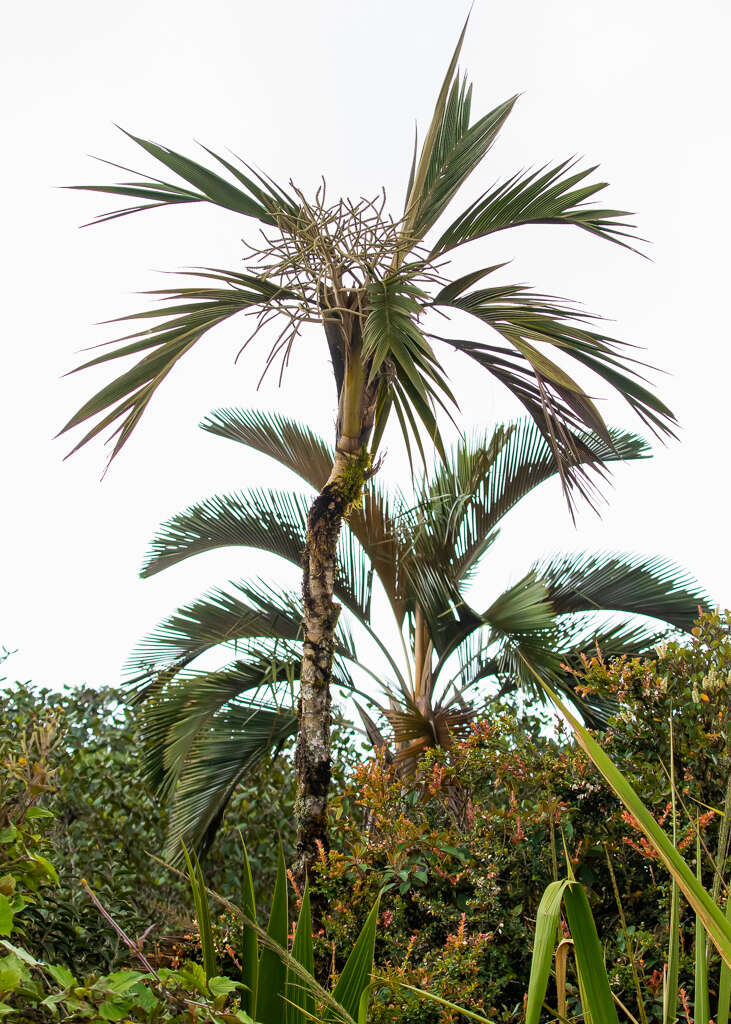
[[302, 88]]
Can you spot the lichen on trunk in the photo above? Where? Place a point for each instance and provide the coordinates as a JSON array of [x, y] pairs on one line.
[[321, 612]]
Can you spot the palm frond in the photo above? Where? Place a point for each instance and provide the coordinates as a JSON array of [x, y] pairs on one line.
[[235, 742], [176, 707], [184, 712], [375, 524], [522, 608], [261, 199], [452, 150], [290, 443], [274, 521], [439, 523], [219, 617], [485, 476], [547, 196], [476, 659], [656, 587], [559, 406], [391, 333], [195, 312], [447, 614]]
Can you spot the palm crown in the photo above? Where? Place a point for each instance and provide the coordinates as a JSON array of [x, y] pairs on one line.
[[370, 278], [205, 729]]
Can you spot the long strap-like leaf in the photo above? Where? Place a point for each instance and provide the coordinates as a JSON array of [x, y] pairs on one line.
[[717, 926]]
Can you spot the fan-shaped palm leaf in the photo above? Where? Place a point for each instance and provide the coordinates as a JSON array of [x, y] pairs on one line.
[[221, 617], [299, 449], [274, 521], [234, 741], [290, 443], [655, 587]]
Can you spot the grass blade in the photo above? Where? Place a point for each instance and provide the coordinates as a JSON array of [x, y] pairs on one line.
[[701, 1002], [596, 994], [724, 984], [202, 913]]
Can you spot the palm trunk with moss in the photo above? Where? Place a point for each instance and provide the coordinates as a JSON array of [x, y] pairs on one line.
[[351, 466]]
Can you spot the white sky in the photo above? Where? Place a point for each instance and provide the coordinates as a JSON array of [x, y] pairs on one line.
[[303, 88]]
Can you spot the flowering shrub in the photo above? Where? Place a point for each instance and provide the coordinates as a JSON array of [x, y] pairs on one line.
[[464, 850]]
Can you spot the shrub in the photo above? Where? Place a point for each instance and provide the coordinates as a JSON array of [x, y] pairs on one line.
[[465, 849]]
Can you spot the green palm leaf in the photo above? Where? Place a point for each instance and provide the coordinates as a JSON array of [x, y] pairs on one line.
[[220, 617], [645, 586], [299, 449], [391, 333], [448, 615], [234, 742], [545, 196], [176, 704], [290, 443], [558, 405], [484, 477], [274, 521], [194, 313], [261, 201], [452, 150]]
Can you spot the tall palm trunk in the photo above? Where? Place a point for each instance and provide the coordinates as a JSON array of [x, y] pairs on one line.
[[356, 413]]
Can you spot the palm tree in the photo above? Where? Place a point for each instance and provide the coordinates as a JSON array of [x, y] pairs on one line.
[[373, 281], [205, 730]]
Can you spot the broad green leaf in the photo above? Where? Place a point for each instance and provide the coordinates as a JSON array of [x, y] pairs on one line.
[[222, 986], [10, 977], [6, 915], [599, 1004], [249, 945], [61, 975], [301, 1001], [48, 868], [717, 926], [271, 1006], [39, 812], [20, 953], [544, 941], [356, 974]]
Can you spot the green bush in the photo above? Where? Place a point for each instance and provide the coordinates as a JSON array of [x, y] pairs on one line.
[[105, 821]]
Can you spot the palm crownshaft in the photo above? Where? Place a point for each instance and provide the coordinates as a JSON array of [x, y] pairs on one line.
[[371, 280]]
